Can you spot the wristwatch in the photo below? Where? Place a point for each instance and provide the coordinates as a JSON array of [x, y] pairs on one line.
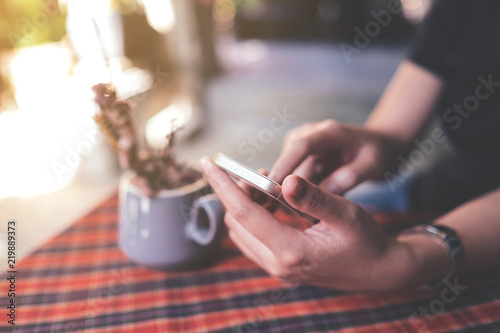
[[450, 240]]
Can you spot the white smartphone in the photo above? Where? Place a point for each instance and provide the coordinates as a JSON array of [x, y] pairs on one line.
[[257, 181]]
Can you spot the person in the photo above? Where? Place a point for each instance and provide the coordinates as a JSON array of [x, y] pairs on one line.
[[454, 64]]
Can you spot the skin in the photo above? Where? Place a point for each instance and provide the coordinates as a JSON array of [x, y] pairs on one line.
[[347, 249], [352, 154]]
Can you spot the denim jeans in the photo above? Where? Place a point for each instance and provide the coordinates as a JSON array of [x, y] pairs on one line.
[[452, 179]]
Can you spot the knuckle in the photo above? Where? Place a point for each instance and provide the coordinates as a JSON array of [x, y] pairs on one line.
[[371, 159], [298, 142], [302, 144], [290, 259], [300, 137], [228, 221], [287, 263], [350, 177], [331, 124], [352, 211], [240, 212], [282, 274], [292, 134], [220, 181], [310, 128], [276, 271], [371, 153]]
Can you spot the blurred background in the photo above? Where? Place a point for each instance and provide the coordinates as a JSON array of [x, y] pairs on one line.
[[236, 74]]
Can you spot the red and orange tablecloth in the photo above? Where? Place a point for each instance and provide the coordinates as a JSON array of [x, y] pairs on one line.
[[81, 281]]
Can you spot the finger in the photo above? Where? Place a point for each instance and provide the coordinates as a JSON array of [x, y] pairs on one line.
[[325, 165], [248, 243], [252, 216], [350, 175], [290, 158], [246, 251], [263, 171], [306, 169], [322, 138], [312, 200]]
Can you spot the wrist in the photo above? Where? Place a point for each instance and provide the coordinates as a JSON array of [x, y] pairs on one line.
[[411, 261], [389, 148], [426, 259], [392, 138]]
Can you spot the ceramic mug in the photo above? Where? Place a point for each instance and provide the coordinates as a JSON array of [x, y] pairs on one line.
[[177, 229]]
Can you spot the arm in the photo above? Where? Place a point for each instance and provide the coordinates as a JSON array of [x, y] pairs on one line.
[[478, 226], [406, 103]]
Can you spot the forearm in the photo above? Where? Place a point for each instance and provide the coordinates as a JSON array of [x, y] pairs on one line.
[[478, 226], [477, 223], [406, 103]]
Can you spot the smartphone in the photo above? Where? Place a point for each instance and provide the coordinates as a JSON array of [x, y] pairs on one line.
[[258, 181]]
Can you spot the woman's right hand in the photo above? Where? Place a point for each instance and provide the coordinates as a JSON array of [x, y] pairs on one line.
[[336, 156]]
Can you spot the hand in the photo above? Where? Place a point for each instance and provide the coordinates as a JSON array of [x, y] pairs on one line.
[[346, 250], [335, 156]]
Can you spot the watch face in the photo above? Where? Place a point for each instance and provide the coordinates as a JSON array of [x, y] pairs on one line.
[[252, 177]]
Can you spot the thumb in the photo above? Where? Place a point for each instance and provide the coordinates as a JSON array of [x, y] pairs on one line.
[[348, 176], [312, 200]]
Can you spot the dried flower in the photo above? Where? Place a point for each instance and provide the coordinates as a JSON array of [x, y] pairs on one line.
[[154, 170]]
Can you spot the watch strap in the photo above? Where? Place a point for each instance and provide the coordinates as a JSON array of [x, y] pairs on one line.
[[450, 240]]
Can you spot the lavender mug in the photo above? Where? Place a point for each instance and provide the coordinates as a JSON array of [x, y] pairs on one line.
[[178, 229]]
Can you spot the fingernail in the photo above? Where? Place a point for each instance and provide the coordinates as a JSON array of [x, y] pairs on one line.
[[344, 178], [298, 189], [204, 164]]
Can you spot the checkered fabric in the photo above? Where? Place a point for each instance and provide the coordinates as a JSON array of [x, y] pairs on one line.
[[81, 281]]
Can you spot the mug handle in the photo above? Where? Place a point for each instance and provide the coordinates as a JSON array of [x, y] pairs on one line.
[[205, 220]]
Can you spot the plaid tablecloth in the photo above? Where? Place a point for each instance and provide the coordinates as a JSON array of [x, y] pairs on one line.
[[81, 281]]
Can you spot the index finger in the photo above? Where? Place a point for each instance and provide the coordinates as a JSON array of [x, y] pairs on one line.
[[312, 139], [252, 216], [291, 157]]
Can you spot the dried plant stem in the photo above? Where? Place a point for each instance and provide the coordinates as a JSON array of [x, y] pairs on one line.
[[155, 169]]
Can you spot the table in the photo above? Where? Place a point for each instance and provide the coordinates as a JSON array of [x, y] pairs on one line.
[[81, 281]]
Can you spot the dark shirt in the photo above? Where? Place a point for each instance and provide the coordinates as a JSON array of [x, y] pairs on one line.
[[459, 41]]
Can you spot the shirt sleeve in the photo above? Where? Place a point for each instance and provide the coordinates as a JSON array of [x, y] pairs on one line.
[[429, 45]]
